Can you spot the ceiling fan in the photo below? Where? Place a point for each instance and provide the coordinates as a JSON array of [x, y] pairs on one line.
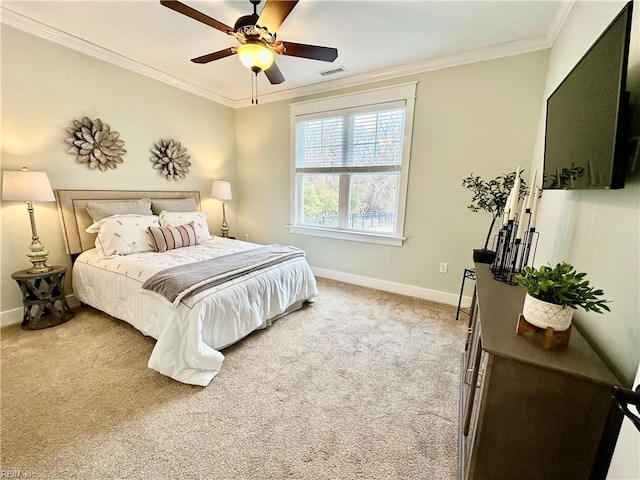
[[257, 36]]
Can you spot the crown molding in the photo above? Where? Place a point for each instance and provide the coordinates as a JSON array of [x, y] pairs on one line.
[[461, 58], [38, 29], [33, 27], [559, 21]]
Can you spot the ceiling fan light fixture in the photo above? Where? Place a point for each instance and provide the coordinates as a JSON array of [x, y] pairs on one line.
[[255, 56]]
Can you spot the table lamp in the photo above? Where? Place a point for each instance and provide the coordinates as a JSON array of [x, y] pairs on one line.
[[222, 191], [23, 185]]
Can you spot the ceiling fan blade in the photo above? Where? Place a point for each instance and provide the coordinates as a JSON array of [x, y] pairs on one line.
[[274, 74], [274, 13], [196, 15], [315, 52], [210, 57]]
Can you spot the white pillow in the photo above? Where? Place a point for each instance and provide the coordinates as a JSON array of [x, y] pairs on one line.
[[173, 219], [124, 234]]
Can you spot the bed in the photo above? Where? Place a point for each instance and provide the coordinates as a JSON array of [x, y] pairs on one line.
[[192, 326]]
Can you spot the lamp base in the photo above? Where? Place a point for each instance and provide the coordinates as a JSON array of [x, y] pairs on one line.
[[224, 230], [39, 267], [38, 257]]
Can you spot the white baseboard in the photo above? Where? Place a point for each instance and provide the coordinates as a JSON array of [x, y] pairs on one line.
[[393, 287], [11, 317]]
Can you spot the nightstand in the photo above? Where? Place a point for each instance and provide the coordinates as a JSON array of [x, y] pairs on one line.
[[43, 297]]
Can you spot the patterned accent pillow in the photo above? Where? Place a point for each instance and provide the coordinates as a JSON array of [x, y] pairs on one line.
[[124, 234], [172, 219], [168, 238]]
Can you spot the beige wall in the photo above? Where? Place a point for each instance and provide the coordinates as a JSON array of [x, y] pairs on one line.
[[465, 122], [598, 231], [46, 86], [479, 118]]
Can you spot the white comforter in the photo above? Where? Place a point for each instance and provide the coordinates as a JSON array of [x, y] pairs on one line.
[[190, 335]]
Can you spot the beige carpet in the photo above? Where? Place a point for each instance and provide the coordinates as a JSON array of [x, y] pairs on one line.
[[361, 384]]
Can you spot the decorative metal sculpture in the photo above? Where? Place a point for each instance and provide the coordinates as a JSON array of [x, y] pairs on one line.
[[95, 144], [171, 158]]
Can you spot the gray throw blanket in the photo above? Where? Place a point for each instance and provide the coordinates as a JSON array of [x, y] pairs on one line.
[[176, 283]]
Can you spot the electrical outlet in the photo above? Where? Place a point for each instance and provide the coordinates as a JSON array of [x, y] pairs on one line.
[[444, 267]]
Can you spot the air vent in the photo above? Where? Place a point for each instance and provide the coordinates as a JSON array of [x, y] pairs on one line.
[[333, 71]]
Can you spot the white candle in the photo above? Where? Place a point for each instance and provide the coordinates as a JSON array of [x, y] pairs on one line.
[[521, 221], [515, 194], [534, 209], [507, 208], [526, 203], [532, 186]]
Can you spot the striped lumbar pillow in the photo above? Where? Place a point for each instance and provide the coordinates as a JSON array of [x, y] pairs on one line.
[[168, 238]]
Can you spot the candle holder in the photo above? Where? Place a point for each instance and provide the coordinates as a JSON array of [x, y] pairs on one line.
[[501, 267], [529, 247], [514, 250]]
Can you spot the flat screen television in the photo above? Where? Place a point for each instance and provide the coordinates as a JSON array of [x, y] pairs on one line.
[[585, 134]]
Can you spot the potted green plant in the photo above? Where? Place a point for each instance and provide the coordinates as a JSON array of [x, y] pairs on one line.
[[491, 196], [554, 293]]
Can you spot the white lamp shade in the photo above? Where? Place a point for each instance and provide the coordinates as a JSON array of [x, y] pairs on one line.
[[23, 185], [221, 190]]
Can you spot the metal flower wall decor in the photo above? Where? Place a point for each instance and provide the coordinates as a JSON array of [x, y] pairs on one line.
[[171, 158], [94, 143]]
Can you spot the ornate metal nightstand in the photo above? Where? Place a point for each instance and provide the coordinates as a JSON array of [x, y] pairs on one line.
[[43, 296]]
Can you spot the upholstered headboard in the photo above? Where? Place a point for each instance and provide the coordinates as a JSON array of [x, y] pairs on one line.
[[75, 218]]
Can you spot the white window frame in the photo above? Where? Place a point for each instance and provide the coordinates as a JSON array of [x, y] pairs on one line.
[[405, 93]]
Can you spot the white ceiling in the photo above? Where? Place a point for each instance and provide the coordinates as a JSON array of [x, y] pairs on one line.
[[375, 39]]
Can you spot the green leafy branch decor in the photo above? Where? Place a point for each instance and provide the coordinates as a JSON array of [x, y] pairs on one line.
[[94, 143], [171, 158], [491, 196], [562, 285]]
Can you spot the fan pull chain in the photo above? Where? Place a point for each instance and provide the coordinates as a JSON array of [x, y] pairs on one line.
[[256, 88], [253, 101]]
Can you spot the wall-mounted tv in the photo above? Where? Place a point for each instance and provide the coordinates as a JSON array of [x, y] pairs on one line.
[[585, 133]]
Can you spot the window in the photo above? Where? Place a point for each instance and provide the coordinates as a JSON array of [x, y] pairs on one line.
[[350, 165]]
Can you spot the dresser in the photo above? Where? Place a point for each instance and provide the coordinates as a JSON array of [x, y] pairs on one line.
[[527, 412]]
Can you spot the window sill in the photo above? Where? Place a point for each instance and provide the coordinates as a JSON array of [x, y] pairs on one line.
[[381, 239]]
